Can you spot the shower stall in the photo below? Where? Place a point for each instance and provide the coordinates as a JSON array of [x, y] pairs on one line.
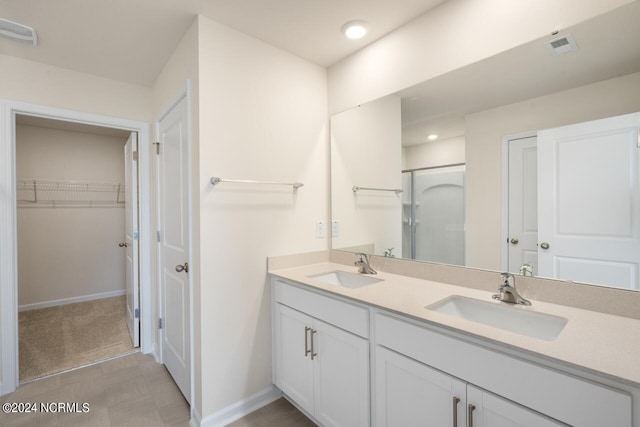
[[433, 214]]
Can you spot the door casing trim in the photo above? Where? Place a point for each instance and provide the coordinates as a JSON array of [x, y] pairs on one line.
[[8, 232]]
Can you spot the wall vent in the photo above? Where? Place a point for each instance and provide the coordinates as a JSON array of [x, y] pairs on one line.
[[562, 44], [18, 32]]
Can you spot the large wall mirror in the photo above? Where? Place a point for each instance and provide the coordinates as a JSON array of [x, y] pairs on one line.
[[526, 161]]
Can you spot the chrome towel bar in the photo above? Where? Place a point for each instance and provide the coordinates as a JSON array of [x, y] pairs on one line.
[[395, 190], [215, 181]]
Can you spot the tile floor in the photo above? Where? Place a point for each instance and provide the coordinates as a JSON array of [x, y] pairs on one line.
[[277, 414], [132, 390]]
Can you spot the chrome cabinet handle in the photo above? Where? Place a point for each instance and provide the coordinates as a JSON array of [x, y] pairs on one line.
[[544, 245], [470, 408], [313, 353], [180, 268], [455, 411], [306, 341], [515, 241], [123, 245]]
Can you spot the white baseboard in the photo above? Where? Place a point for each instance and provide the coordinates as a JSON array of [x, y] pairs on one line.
[[238, 410], [196, 418], [64, 301]]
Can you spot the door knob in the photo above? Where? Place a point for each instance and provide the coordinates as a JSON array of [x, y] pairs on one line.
[[514, 241], [544, 245], [123, 245], [180, 268]]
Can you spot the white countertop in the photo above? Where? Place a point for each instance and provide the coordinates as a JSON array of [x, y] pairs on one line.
[[605, 344]]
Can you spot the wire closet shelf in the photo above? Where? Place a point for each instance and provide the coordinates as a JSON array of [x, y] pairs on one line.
[[45, 192]]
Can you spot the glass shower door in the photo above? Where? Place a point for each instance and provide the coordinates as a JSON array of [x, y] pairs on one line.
[[434, 226]]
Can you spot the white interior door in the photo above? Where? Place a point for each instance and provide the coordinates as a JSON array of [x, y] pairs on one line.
[[522, 240], [589, 202], [174, 244], [131, 237]]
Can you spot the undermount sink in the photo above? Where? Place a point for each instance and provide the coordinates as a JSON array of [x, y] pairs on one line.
[[345, 279], [514, 319]]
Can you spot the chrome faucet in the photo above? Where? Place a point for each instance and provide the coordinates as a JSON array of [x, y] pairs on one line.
[[363, 264], [526, 270], [508, 292]]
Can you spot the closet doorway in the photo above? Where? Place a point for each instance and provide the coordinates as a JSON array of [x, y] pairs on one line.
[[77, 220], [12, 116]]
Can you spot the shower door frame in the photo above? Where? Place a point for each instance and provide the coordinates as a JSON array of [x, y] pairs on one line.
[[412, 218]]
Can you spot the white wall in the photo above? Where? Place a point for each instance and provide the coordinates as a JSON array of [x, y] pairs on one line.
[[452, 35], [35, 83], [263, 116], [484, 132], [434, 153], [68, 252], [366, 151]]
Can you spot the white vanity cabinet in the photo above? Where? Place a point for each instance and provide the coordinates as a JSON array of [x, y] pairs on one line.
[[428, 368], [323, 366], [410, 393], [422, 374], [485, 409]]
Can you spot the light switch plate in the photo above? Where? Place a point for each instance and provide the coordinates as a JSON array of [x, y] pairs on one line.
[[335, 228]]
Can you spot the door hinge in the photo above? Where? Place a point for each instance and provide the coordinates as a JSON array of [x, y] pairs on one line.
[[136, 234], [158, 235], [135, 156], [160, 323], [136, 313], [157, 144]]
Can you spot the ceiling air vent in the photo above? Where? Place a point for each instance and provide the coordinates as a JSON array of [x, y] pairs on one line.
[[18, 32], [562, 44]]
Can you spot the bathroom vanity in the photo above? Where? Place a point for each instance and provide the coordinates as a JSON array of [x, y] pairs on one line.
[[392, 350]]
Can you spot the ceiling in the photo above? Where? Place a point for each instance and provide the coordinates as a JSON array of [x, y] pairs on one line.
[[131, 40], [608, 48]]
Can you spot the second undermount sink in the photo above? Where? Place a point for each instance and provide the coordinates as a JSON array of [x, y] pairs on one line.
[[345, 279], [514, 319]]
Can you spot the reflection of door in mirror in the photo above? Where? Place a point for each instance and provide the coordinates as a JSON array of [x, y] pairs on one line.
[[522, 239], [588, 202], [433, 214]]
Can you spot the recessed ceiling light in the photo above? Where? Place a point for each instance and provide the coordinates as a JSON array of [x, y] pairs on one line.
[[354, 29], [432, 137], [18, 32]]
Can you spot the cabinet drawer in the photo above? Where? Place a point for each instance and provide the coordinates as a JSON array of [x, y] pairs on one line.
[[560, 396], [342, 314]]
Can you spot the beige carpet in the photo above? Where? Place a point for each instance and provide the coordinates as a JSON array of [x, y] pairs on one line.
[[64, 337]]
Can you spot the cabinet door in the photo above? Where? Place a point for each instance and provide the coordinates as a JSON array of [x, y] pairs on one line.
[[294, 368], [493, 411], [409, 393], [341, 377]]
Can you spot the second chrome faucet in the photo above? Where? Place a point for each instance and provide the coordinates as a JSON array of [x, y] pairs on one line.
[[363, 264], [508, 292]]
